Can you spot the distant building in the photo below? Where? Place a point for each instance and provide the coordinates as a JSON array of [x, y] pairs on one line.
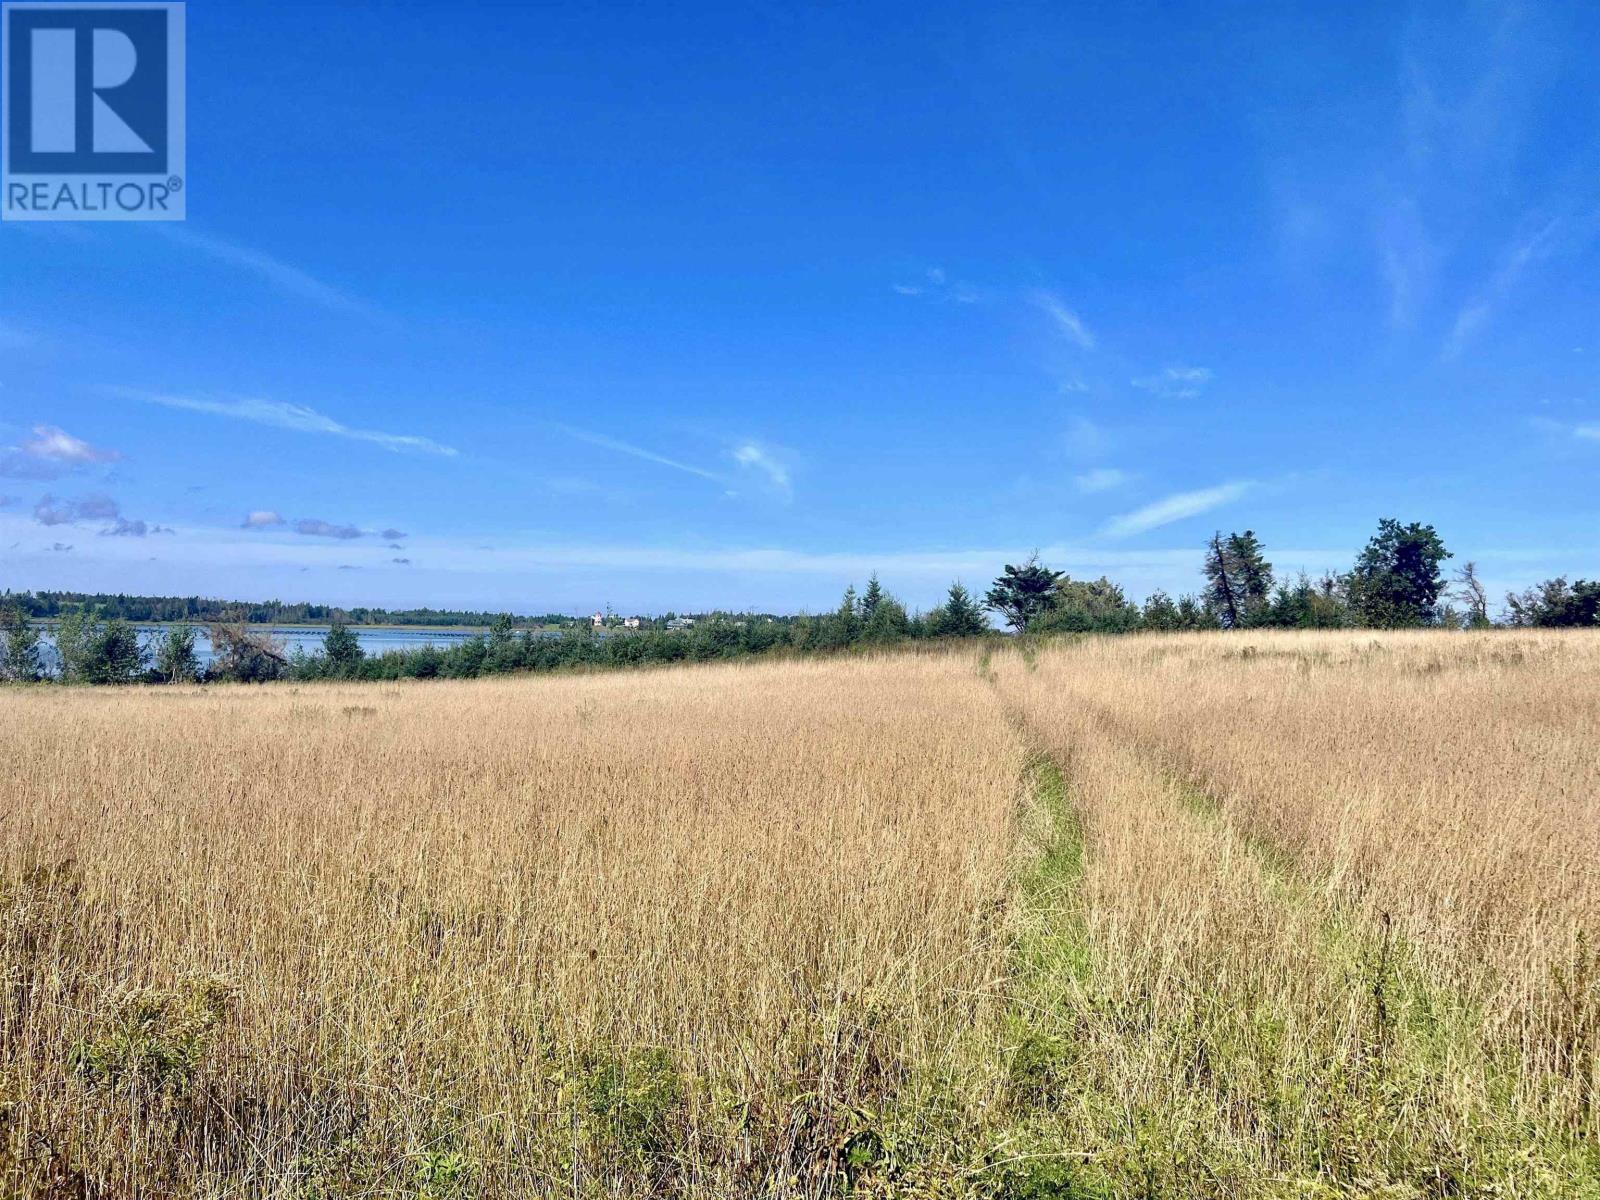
[[630, 622], [597, 620], [681, 623]]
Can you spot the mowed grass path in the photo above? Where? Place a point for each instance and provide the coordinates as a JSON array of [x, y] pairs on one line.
[[1248, 915]]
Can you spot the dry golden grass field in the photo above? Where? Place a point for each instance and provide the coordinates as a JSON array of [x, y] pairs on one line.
[[1253, 915]]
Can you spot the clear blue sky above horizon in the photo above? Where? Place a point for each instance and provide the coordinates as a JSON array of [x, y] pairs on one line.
[[734, 305]]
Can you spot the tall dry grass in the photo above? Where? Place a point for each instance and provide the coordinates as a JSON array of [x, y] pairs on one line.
[[1339, 897], [640, 933], [1275, 915]]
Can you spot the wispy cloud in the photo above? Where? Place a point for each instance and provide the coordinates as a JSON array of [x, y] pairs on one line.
[[610, 443], [296, 417], [1065, 319], [261, 518], [1589, 433], [756, 457], [936, 285], [1175, 383], [1102, 479], [1523, 253], [1176, 508], [290, 280]]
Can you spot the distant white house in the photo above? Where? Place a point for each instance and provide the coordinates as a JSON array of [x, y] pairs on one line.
[[597, 620], [681, 623], [630, 622]]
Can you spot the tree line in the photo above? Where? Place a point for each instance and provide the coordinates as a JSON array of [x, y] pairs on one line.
[[1397, 581], [204, 610]]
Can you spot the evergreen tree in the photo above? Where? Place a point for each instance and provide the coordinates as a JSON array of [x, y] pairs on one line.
[[1396, 580], [1160, 613], [887, 623], [1252, 574], [959, 615], [1022, 594], [20, 659], [1555, 603], [116, 655], [871, 598], [1238, 579]]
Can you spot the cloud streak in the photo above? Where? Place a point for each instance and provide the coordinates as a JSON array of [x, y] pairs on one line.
[[1177, 507], [288, 279], [1175, 383], [619, 447], [1528, 251], [295, 417], [1065, 319]]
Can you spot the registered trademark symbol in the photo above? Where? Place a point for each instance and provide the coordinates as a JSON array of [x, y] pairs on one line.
[[175, 183]]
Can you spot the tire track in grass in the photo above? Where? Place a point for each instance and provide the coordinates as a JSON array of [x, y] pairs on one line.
[[1366, 1079]]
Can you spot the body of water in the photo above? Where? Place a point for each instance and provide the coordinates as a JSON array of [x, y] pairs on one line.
[[374, 639]]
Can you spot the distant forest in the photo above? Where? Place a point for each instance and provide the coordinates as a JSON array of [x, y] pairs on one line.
[[203, 610], [1398, 581]]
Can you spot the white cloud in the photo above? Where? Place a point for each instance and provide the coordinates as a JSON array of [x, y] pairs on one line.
[[296, 417], [262, 518], [1176, 383], [1587, 432], [1067, 321], [1176, 508], [609, 443], [756, 457], [1101, 479], [56, 444]]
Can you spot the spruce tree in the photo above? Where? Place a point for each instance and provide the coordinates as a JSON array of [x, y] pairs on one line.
[[960, 615]]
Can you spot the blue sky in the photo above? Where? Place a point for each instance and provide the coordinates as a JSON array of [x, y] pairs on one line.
[[515, 306]]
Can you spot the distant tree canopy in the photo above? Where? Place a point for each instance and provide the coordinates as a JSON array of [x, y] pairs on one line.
[[1556, 604], [1024, 593], [1395, 582], [21, 660], [958, 616], [1238, 580], [175, 658]]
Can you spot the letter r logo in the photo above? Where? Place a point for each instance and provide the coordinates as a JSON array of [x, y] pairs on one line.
[[87, 89]]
